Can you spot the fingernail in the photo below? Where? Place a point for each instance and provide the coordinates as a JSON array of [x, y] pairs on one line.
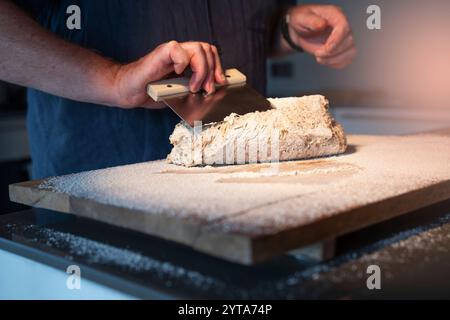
[[222, 77]]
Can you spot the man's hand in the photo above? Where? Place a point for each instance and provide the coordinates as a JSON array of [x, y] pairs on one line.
[[323, 31], [202, 58], [70, 71]]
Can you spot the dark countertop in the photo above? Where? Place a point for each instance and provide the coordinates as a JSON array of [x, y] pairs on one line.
[[413, 252]]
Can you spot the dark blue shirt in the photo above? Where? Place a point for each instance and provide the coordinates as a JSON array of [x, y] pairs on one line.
[[68, 136]]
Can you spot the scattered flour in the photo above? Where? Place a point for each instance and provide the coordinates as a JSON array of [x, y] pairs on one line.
[[335, 278], [388, 166], [97, 253]]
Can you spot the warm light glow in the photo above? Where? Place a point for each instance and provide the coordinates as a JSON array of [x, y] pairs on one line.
[[410, 55]]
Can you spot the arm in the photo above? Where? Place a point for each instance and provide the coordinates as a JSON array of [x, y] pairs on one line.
[[34, 57]]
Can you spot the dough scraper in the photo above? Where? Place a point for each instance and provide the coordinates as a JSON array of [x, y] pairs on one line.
[[234, 97]]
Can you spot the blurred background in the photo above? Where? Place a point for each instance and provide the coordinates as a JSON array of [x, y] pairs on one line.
[[14, 154], [398, 84]]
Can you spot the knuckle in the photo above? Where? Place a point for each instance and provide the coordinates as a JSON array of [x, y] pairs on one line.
[[198, 46], [172, 43], [337, 8], [206, 46]]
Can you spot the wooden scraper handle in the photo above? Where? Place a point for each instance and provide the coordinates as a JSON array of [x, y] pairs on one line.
[[174, 87]]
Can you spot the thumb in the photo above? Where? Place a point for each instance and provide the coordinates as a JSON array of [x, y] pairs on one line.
[[307, 24], [166, 58]]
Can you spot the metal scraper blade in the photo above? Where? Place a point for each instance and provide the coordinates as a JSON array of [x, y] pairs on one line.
[[239, 99], [236, 96]]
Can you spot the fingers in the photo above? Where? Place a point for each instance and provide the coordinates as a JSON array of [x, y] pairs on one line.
[[198, 64], [178, 56], [306, 23], [202, 58], [205, 65], [215, 71], [340, 27], [334, 41], [345, 45], [209, 83], [324, 31], [218, 72], [338, 61], [165, 59]]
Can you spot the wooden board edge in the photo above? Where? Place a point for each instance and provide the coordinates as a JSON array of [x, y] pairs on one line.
[[234, 248], [28, 193], [348, 221]]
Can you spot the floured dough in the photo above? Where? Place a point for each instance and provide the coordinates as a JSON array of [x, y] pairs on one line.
[[296, 128]]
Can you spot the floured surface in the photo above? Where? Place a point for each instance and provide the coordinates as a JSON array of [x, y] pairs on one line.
[[259, 199]]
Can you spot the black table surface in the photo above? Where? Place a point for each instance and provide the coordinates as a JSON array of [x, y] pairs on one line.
[[412, 251]]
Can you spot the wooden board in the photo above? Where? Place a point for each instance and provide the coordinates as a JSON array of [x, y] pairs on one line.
[[251, 213]]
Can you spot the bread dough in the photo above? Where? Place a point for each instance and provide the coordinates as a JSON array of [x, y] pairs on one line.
[[296, 128]]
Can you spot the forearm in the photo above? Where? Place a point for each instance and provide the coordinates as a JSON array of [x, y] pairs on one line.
[[279, 46], [33, 57]]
